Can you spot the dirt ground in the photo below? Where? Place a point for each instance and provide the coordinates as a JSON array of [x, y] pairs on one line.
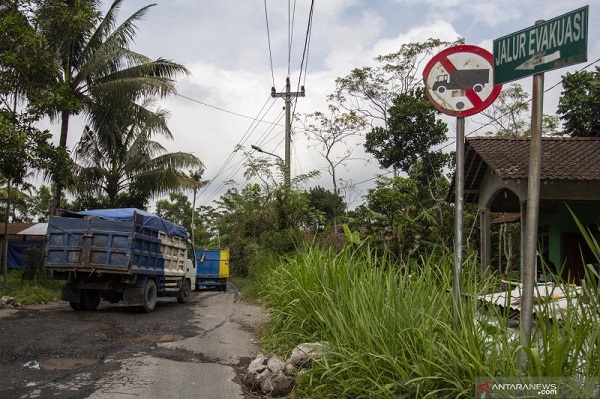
[[52, 351]]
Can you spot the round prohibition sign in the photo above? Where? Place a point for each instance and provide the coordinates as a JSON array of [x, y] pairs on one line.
[[459, 80]]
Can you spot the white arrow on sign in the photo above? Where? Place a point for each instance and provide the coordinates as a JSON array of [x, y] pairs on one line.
[[539, 60]]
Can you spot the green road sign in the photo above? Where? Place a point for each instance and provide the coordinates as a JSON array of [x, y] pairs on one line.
[[552, 44]]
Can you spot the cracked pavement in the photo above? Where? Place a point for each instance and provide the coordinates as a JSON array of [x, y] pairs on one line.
[[193, 350]]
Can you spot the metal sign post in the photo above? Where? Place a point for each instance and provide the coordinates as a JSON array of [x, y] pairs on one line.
[[459, 82], [458, 218], [547, 45], [529, 269]]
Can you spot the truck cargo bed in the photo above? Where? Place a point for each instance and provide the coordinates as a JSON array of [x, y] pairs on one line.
[[112, 246]]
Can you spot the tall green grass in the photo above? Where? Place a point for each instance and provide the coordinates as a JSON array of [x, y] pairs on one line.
[[390, 330], [41, 289]]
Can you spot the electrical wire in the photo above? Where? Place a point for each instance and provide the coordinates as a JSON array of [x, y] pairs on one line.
[[526, 102], [269, 42]]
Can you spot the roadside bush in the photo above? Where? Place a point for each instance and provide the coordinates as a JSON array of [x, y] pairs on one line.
[[26, 292], [33, 263], [391, 330]]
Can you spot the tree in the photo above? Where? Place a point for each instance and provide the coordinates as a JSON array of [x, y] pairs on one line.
[[370, 91], [509, 112], [330, 131], [579, 103], [509, 115], [177, 209], [23, 148], [122, 158], [413, 129], [325, 205], [95, 63]]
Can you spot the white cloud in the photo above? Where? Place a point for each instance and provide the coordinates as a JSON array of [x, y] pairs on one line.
[[224, 44]]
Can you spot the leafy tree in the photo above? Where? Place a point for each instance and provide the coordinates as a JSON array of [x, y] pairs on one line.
[[510, 111], [95, 64], [579, 103], [23, 148], [244, 216], [509, 115], [394, 201], [122, 157], [413, 129], [331, 130], [39, 205], [177, 209], [26, 68], [370, 91], [325, 205]]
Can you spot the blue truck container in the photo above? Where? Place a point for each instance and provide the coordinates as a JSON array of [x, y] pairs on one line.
[[212, 268], [126, 255]]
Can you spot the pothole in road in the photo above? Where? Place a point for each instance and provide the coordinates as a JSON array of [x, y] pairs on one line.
[[65, 363], [127, 336]]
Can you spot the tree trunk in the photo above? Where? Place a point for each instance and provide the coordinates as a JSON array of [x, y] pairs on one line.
[[58, 186], [5, 242]]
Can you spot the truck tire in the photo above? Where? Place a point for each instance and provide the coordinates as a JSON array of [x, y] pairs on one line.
[[75, 305], [90, 299], [150, 295], [184, 292], [441, 89], [477, 88]]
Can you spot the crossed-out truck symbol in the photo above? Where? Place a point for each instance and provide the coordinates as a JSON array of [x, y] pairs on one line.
[[462, 79]]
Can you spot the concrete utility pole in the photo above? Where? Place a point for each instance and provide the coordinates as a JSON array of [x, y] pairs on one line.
[[288, 126]]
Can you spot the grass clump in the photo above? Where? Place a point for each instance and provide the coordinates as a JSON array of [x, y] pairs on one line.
[[41, 289], [390, 329]]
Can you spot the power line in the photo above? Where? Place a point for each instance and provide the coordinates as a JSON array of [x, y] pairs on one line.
[[269, 41], [220, 109], [528, 101]]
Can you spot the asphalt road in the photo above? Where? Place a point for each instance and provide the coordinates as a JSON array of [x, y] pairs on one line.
[[194, 350]]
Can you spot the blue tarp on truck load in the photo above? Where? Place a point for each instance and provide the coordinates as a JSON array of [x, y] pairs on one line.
[[146, 219], [127, 241]]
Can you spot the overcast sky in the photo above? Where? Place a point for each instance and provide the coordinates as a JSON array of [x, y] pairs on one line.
[[225, 45]]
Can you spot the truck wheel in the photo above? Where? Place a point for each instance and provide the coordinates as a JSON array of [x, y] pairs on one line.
[[441, 89], [75, 305], [149, 296], [90, 299], [184, 292], [477, 88]]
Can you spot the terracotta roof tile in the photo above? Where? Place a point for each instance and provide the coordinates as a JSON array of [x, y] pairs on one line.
[[563, 158]]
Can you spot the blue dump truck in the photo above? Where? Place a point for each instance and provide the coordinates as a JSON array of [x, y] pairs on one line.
[[212, 268], [119, 255]]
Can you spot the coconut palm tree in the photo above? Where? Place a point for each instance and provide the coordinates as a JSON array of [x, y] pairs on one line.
[[122, 157], [96, 63]]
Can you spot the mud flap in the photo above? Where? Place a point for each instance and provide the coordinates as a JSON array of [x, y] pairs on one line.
[[133, 296], [70, 292]]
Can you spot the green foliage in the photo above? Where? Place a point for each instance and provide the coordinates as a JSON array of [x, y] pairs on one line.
[[325, 206], [369, 91], [390, 332], [329, 131], [579, 103], [407, 216], [42, 289], [33, 264], [413, 129], [124, 158], [177, 209]]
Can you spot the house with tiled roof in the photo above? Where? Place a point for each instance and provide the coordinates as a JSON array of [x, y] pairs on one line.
[[496, 179]]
